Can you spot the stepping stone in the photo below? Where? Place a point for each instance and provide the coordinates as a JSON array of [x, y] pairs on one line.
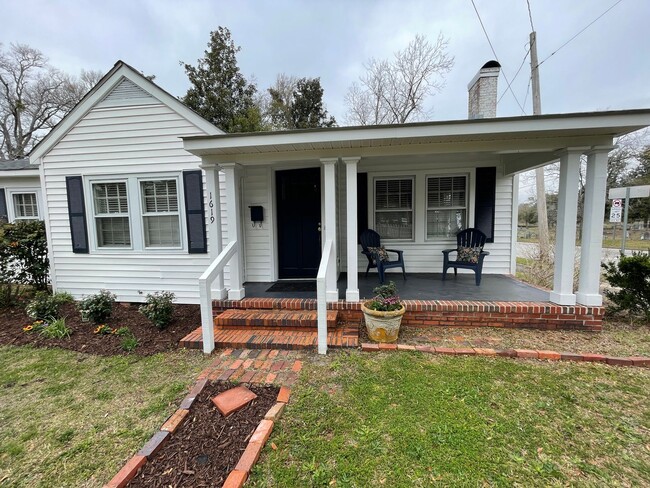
[[234, 399]]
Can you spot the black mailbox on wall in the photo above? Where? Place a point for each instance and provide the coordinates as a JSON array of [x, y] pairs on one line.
[[257, 214]]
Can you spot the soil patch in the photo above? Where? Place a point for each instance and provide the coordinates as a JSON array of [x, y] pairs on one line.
[[186, 318], [207, 446]]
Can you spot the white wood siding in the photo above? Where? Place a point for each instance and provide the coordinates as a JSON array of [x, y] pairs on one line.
[[258, 257], [121, 141]]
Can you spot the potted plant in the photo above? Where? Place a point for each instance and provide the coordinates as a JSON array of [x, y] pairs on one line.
[[383, 313]]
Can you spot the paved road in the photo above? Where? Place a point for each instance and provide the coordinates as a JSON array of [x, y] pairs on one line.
[[527, 249]]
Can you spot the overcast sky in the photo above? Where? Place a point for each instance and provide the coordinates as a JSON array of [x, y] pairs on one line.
[[606, 67]]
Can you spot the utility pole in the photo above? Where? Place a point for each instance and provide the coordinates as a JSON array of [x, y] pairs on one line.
[[542, 214]]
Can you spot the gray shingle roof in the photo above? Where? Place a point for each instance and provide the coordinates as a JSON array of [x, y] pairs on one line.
[[15, 164]]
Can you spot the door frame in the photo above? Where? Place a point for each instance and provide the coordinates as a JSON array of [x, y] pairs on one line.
[[275, 270]]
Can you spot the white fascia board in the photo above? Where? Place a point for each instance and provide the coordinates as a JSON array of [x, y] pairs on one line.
[[19, 173], [119, 72], [615, 123]]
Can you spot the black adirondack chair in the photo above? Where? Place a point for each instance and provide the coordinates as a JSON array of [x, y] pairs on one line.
[[468, 238], [369, 238]]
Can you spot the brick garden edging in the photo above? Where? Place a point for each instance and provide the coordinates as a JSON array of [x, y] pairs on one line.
[[239, 475], [513, 353]]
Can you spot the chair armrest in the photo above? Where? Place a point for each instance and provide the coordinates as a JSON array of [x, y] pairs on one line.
[[447, 251], [396, 251], [485, 253]]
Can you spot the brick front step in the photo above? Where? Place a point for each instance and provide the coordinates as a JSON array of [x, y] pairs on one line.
[[451, 313], [254, 338], [238, 318]]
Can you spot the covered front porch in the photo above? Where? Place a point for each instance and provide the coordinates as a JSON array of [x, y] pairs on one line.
[[404, 164]]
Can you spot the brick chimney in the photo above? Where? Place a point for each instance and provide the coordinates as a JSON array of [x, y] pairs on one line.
[[483, 92]]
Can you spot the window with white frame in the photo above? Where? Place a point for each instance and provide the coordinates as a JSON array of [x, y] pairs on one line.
[[25, 206], [446, 205], [394, 208], [160, 216], [111, 212]]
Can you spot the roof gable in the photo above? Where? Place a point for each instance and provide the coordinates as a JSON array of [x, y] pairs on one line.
[[122, 85]]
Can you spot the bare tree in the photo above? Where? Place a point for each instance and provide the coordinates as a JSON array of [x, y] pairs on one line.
[[396, 91], [34, 97]]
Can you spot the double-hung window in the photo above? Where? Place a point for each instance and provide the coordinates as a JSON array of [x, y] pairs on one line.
[[394, 208], [111, 212], [446, 205], [160, 216], [25, 206]]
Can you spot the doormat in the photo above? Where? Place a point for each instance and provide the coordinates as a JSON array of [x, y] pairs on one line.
[[292, 286]]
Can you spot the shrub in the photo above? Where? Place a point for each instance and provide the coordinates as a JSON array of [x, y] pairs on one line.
[[56, 329], [129, 341], [159, 308], [97, 307], [45, 306], [631, 276], [23, 257]]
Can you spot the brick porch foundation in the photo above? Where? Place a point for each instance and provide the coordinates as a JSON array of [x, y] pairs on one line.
[[457, 313]]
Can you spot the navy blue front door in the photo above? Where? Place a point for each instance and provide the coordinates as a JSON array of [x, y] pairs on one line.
[[299, 222]]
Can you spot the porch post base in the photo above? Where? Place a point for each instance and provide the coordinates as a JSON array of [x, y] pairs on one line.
[[236, 294], [589, 299], [352, 295], [563, 298], [332, 296], [219, 293]]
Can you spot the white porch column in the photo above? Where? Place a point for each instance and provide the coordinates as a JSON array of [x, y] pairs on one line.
[[567, 212], [232, 172], [592, 227], [329, 223], [213, 216], [352, 291]]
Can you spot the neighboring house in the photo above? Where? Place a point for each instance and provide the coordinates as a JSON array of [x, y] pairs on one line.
[[20, 191], [141, 194]]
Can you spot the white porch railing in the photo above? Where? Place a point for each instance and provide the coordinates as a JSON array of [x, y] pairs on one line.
[[325, 281], [205, 293]]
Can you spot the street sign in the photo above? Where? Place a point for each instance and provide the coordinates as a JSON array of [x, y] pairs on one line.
[[642, 191], [617, 202], [615, 214]]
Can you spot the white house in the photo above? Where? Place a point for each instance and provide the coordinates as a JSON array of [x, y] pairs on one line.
[[20, 191], [141, 194]]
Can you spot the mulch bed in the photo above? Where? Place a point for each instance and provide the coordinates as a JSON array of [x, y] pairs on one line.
[[207, 446], [186, 318]]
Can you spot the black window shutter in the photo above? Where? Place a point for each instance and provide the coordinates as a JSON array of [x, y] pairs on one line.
[[197, 241], [486, 180], [362, 203], [77, 214], [4, 215]]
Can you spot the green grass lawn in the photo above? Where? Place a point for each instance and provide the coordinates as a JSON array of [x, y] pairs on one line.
[[69, 419], [407, 419]]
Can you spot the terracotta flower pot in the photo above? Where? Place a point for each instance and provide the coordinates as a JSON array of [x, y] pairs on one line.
[[383, 326]]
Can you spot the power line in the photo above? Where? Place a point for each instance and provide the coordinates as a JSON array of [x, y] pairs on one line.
[[495, 54], [530, 16], [515, 77], [584, 29], [530, 79]]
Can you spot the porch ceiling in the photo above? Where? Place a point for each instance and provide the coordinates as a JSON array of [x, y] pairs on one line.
[[520, 143]]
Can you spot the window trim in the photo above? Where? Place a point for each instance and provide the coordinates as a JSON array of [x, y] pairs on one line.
[[468, 191], [135, 213], [11, 209], [374, 210], [143, 214], [95, 215]]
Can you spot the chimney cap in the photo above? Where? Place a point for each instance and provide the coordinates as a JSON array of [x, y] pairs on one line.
[[491, 64]]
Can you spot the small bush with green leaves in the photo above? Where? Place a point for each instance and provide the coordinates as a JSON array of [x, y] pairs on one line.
[[45, 306], [631, 277], [159, 308], [129, 341], [97, 307], [56, 329]]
